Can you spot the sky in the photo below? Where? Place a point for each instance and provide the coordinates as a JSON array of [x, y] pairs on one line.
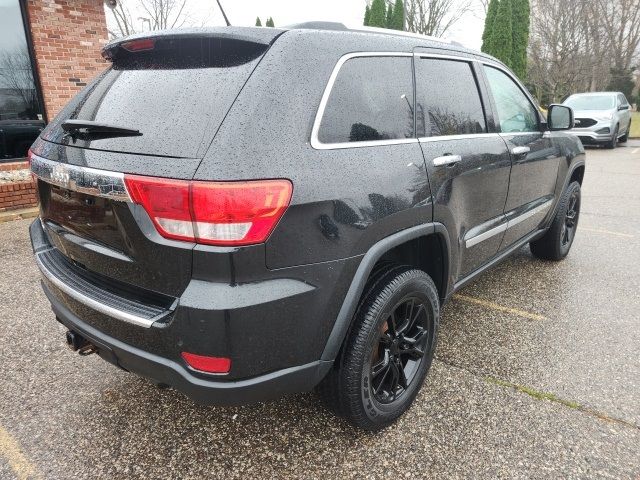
[[468, 31]]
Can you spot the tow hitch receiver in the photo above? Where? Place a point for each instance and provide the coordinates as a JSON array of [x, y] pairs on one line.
[[78, 343]]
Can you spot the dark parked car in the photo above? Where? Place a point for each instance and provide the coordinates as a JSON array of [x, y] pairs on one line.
[[243, 213]]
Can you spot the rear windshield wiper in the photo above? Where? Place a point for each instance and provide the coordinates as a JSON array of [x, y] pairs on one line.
[[91, 128]]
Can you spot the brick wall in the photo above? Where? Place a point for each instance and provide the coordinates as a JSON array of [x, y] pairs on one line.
[[68, 36], [17, 195]]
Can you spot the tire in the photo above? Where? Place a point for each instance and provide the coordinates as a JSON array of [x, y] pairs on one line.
[[625, 137], [557, 241], [611, 144], [383, 363]]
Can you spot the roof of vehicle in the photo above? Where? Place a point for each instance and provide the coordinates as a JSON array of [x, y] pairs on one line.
[[591, 94], [396, 40]]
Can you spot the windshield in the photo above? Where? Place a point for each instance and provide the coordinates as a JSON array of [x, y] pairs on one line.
[[591, 102]]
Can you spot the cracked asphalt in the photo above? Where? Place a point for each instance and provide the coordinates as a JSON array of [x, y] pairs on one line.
[[537, 375]]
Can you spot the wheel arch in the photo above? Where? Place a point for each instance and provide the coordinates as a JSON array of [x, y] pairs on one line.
[[403, 247]]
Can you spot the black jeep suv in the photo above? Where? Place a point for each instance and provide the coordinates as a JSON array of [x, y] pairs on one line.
[[242, 213]]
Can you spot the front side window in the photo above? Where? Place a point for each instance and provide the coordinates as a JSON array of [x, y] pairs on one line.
[[515, 111], [21, 117], [371, 100], [448, 101]]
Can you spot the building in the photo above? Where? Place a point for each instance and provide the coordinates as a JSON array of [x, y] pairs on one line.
[[49, 49]]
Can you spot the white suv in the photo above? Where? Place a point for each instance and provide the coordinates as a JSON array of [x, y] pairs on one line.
[[601, 118]]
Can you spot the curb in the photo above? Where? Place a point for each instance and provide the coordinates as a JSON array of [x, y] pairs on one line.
[[19, 214]]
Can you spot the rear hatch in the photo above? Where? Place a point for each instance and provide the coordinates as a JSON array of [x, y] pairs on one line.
[[169, 94]]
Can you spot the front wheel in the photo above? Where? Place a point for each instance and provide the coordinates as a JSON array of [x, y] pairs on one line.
[[614, 140], [388, 351], [557, 241], [625, 137]]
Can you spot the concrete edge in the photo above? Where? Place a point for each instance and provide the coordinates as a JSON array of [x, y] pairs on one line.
[[19, 214]]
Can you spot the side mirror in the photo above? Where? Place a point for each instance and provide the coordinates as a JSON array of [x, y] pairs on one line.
[[560, 117], [623, 107]]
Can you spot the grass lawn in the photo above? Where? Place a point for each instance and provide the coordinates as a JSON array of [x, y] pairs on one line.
[[635, 125]]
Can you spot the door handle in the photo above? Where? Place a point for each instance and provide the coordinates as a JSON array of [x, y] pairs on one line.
[[520, 150], [446, 160]]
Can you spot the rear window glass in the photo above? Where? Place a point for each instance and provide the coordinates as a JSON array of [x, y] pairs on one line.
[[371, 99], [176, 97], [448, 101]]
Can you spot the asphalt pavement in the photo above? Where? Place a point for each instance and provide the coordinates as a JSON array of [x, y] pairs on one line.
[[537, 376]]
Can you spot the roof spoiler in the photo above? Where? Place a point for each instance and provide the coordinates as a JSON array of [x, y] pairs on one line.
[[146, 40]]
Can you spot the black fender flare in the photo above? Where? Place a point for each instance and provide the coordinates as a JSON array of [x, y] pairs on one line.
[[371, 257]]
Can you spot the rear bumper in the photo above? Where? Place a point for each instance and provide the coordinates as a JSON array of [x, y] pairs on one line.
[[164, 371], [273, 330]]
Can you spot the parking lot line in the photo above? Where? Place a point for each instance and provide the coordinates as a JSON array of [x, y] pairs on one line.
[[635, 151], [500, 308], [10, 450], [606, 232]]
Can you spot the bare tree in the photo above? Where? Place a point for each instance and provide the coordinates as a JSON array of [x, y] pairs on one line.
[[16, 75], [160, 15], [581, 45], [435, 17], [621, 19]]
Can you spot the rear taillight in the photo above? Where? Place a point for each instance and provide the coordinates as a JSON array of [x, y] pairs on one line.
[[213, 213]]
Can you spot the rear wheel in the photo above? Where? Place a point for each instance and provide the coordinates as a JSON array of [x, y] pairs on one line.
[[614, 139], [556, 243], [388, 351]]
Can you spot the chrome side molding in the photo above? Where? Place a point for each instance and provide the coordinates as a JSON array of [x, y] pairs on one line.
[[90, 181], [476, 239]]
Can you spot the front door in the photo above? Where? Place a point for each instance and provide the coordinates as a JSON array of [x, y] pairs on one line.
[[535, 157]]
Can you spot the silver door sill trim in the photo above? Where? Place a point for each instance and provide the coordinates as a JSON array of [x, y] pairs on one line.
[[90, 181], [94, 304], [472, 241]]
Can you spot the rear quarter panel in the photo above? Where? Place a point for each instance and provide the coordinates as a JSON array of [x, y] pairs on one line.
[[343, 200]]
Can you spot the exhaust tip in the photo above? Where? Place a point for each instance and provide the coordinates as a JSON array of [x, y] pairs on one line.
[[77, 342]]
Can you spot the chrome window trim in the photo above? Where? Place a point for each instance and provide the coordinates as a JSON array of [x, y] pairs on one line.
[[92, 303], [472, 241], [462, 136], [90, 181], [315, 141]]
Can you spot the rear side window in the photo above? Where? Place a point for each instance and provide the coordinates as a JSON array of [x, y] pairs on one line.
[[515, 111], [371, 99], [448, 100]]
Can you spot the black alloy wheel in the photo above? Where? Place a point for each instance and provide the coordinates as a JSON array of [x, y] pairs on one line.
[[388, 351], [571, 219], [404, 337]]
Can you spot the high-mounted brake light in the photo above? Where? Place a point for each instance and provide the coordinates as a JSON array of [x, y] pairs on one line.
[[212, 213], [139, 45]]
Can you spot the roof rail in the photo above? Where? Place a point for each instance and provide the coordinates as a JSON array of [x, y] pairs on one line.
[[359, 28], [400, 33]]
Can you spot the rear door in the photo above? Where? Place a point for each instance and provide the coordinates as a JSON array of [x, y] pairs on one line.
[[535, 156], [468, 164]]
